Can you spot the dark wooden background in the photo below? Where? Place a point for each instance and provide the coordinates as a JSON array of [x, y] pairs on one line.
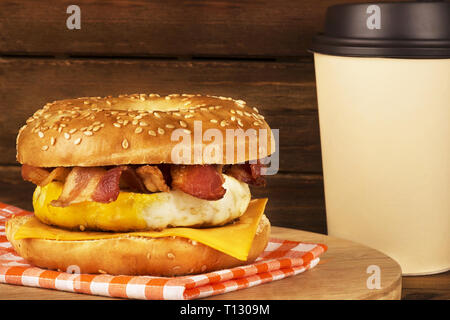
[[252, 50]]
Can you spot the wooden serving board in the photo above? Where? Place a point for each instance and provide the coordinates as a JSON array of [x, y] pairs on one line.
[[341, 274]]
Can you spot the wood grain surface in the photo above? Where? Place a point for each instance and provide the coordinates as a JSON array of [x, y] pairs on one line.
[[341, 274], [212, 28]]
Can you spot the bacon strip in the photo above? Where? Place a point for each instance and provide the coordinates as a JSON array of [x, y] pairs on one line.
[[248, 173], [103, 185], [200, 181], [129, 179], [80, 185], [152, 178], [108, 188], [41, 176], [97, 184]]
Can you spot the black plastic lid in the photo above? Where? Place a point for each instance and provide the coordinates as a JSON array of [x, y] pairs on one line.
[[387, 29]]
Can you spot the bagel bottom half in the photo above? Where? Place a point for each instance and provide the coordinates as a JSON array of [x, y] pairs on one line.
[[168, 256]]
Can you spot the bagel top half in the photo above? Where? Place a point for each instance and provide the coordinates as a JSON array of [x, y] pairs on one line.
[[138, 129]]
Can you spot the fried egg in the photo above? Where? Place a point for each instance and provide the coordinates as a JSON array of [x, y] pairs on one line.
[[138, 211]]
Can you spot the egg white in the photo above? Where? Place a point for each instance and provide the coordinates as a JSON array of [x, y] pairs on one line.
[[178, 209]]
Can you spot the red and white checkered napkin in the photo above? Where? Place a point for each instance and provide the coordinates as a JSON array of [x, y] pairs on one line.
[[281, 259]]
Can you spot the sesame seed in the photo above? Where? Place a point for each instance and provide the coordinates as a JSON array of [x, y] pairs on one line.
[[239, 112], [66, 135], [117, 125], [170, 255], [138, 130], [96, 128], [86, 102], [134, 122], [255, 123], [40, 134], [151, 132], [88, 133], [213, 120], [44, 148], [170, 126], [161, 131], [77, 141], [187, 131], [82, 228], [223, 123], [256, 110], [52, 141], [60, 129], [125, 144], [73, 130], [156, 114], [176, 114], [247, 114], [167, 98], [108, 102], [143, 123], [233, 118], [240, 123], [187, 116], [183, 124], [232, 111], [187, 103]]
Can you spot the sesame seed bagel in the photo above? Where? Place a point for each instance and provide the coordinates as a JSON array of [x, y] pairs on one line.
[[139, 129], [168, 256]]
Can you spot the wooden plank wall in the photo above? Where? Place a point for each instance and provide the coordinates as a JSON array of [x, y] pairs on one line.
[[252, 50]]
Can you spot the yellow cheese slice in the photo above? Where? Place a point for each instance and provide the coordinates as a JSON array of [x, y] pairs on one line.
[[233, 239]]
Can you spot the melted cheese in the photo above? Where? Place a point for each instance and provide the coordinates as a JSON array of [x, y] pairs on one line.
[[234, 239]]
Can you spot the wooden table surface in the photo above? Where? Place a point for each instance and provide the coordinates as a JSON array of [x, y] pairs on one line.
[[341, 274]]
